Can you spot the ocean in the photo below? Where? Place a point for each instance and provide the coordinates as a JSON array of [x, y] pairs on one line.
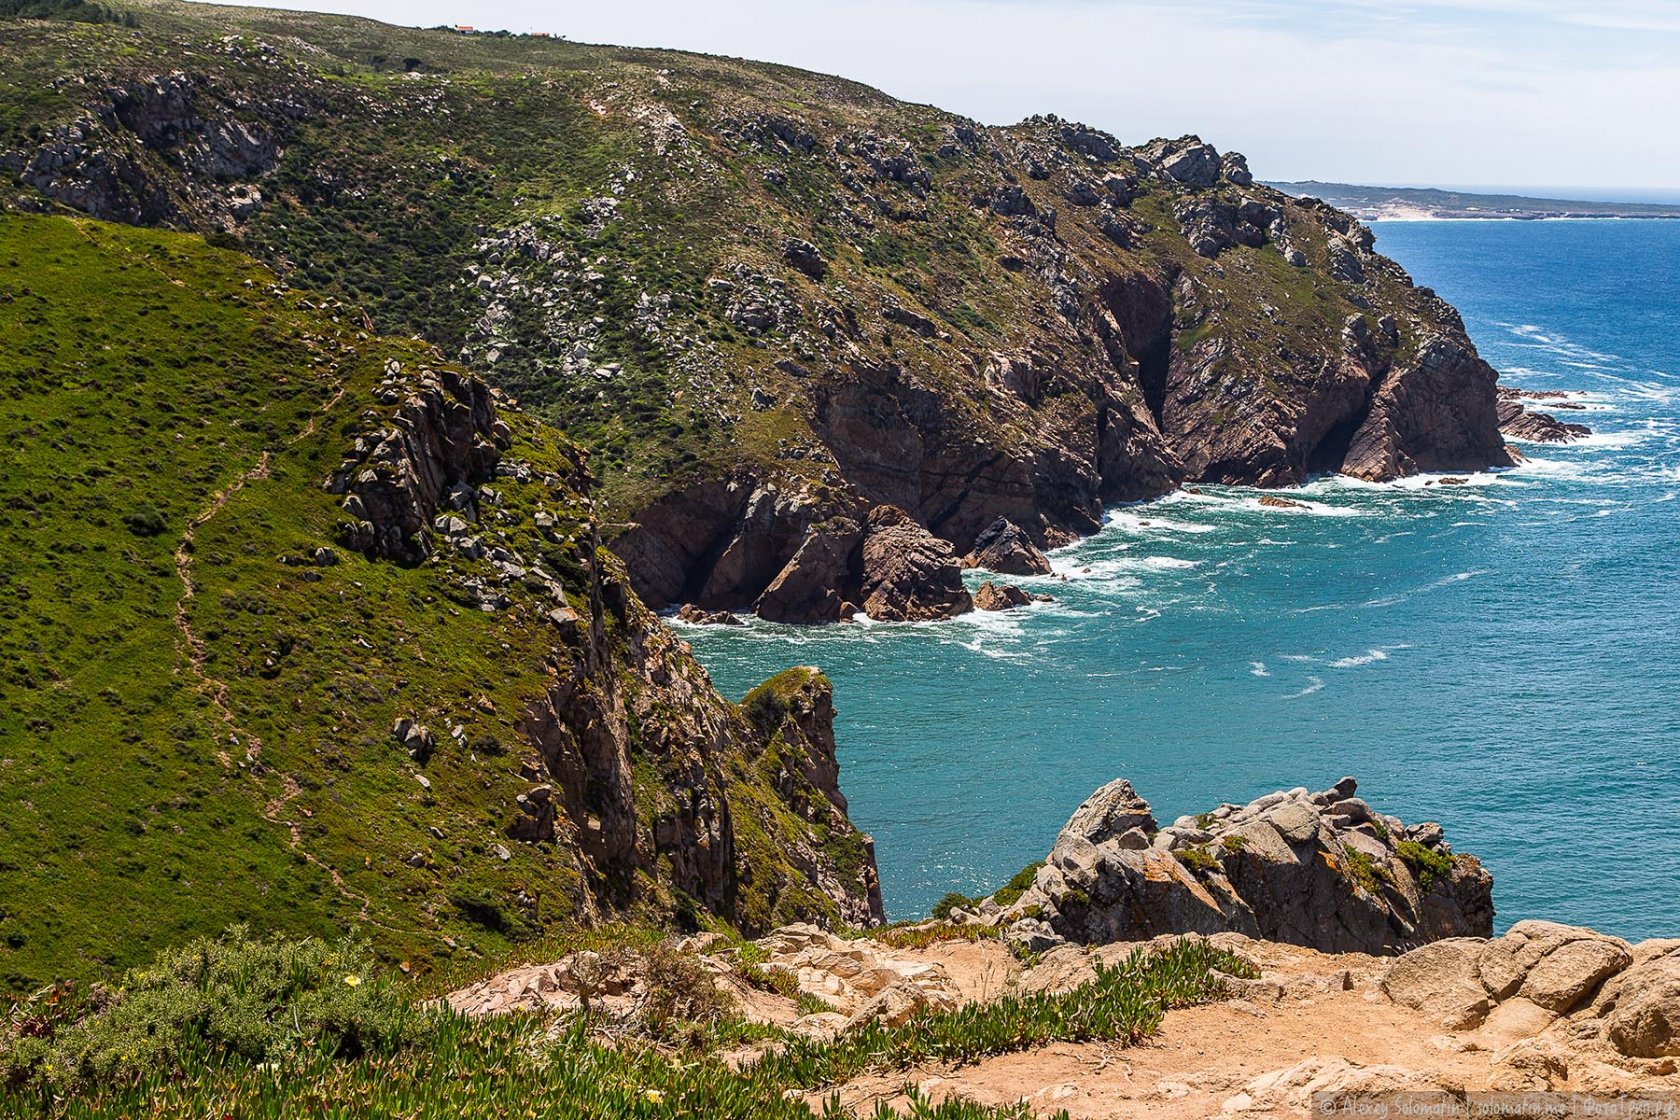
[[1502, 657]]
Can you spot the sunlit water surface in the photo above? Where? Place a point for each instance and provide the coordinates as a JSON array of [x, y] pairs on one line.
[[1503, 657]]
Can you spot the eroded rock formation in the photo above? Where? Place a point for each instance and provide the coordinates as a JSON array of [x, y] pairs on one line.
[[1323, 870]]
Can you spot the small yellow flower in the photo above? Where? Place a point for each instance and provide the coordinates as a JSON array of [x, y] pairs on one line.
[[352, 980], [653, 1095]]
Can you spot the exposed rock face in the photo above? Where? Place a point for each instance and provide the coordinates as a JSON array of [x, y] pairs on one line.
[[999, 597], [1003, 548], [1626, 996], [208, 142], [1322, 870], [625, 698], [909, 575], [1517, 421], [1434, 413], [442, 442], [811, 587]]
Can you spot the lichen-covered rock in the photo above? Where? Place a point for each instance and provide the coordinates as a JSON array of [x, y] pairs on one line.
[[1322, 870]]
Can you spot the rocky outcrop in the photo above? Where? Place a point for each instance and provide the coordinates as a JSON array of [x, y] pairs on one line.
[[166, 149], [743, 814], [1436, 412], [813, 585], [1005, 549], [1519, 422], [1611, 995], [1128, 317], [909, 575], [1323, 870], [443, 441], [991, 596]]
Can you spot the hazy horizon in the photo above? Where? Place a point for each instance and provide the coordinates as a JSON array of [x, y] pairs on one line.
[[1439, 92]]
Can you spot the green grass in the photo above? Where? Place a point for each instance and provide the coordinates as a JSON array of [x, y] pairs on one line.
[[301, 1038], [176, 764]]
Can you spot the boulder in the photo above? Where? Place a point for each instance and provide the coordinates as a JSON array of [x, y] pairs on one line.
[[999, 597], [1442, 981], [699, 616], [805, 257], [909, 575], [1569, 973], [1006, 549], [811, 587], [1645, 1020]]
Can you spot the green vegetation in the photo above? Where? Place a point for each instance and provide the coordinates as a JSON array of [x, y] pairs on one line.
[[177, 763], [599, 230], [313, 1027], [1198, 859], [950, 901], [79, 11], [1007, 895], [1427, 864], [1364, 870]]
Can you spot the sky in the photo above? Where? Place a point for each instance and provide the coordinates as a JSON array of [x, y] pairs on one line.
[[1508, 93]]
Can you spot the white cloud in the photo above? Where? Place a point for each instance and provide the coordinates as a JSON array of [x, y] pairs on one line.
[[1447, 91]]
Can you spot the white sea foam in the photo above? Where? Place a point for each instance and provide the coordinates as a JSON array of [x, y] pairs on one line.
[[1131, 522], [1314, 684], [1370, 657], [1258, 669], [1126, 565]]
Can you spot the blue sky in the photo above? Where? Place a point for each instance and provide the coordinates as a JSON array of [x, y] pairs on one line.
[[1435, 92]]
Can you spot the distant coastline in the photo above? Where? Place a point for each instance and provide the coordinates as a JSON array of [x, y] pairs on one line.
[[1432, 204]]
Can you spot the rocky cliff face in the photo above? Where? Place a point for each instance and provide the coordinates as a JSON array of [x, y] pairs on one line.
[[767, 323], [1323, 870], [736, 809]]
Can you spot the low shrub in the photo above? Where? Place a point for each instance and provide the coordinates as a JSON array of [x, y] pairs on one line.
[[145, 520], [953, 901], [1427, 864], [211, 1001], [1198, 860], [1010, 892], [304, 1041]]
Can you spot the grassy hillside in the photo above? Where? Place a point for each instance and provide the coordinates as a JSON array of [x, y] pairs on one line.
[[197, 702], [704, 268]]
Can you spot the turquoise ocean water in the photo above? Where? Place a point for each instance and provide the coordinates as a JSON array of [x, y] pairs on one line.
[[1503, 657]]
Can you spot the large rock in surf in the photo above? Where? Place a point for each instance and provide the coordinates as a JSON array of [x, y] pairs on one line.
[[1006, 549], [909, 575], [1323, 870]]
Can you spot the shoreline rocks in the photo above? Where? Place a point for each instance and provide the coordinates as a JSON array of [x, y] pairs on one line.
[[1000, 597], [1518, 421], [1005, 548], [1324, 870]]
